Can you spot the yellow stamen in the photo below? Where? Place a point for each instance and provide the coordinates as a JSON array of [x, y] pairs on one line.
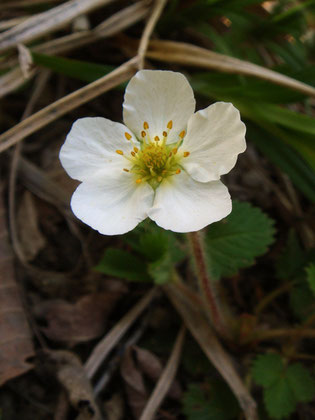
[[156, 138], [170, 125], [159, 178], [136, 149], [133, 154], [145, 125], [186, 154], [138, 181], [178, 171], [174, 150], [182, 134], [128, 136], [126, 170], [143, 133], [164, 134], [120, 152]]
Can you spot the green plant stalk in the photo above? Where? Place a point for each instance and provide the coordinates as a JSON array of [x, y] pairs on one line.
[[212, 306]]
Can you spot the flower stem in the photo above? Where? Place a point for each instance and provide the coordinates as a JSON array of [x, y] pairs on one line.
[[211, 304]]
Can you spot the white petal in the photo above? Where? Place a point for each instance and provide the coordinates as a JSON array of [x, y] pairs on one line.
[[91, 147], [112, 205], [215, 136], [184, 205], [157, 97]]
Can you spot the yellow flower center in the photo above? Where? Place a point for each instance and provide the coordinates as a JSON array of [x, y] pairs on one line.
[[155, 160]]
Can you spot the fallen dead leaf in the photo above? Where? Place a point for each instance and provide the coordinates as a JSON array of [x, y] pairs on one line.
[[31, 238], [72, 376], [15, 336], [114, 408], [152, 367], [76, 322], [134, 384]]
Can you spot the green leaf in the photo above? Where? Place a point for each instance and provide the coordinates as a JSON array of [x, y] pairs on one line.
[[301, 382], [217, 404], [82, 70], [292, 260], [302, 301], [284, 386], [279, 399], [235, 242], [161, 269], [310, 275], [124, 265], [286, 158], [267, 369]]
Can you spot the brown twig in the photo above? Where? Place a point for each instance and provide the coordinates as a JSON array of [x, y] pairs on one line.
[[166, 378], [67, 103], [144, 42], [103, 348], [206, 286]]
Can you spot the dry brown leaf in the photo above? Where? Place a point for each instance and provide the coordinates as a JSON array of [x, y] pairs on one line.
[[31, 238], [151, 366], [114, 408], [47, 22], [15, 337], [134, 384], [76, 322], [72, 376], [203, 334]]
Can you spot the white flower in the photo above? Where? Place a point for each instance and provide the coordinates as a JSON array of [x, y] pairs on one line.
[[165, 163]]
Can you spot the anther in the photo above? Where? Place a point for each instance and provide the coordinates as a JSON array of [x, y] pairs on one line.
[[174, 150], [133, 153], [159, 178], [186, 154], [164, 134], [145, 125], [138, 181], [156, 138], [136, 149], [170, 125], [120, 152], [182, 134], [143, 133], [128, 136], [126, 170], [178, 171]]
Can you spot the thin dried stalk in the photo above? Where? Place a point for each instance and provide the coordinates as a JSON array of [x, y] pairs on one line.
[[103, 348], [9, 23], [191, 55], [62, 106], [13, 80], [46, 22], [9, 4], [40, 85], [116, 23], [166, 379], [154, 17], [202, 332]]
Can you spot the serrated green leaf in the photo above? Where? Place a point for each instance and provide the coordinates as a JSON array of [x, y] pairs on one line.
[[301, 382], [267, 369], [154, 244], [235, 242], [279, 399], [220, 404], [124, 265], [310, 275]]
